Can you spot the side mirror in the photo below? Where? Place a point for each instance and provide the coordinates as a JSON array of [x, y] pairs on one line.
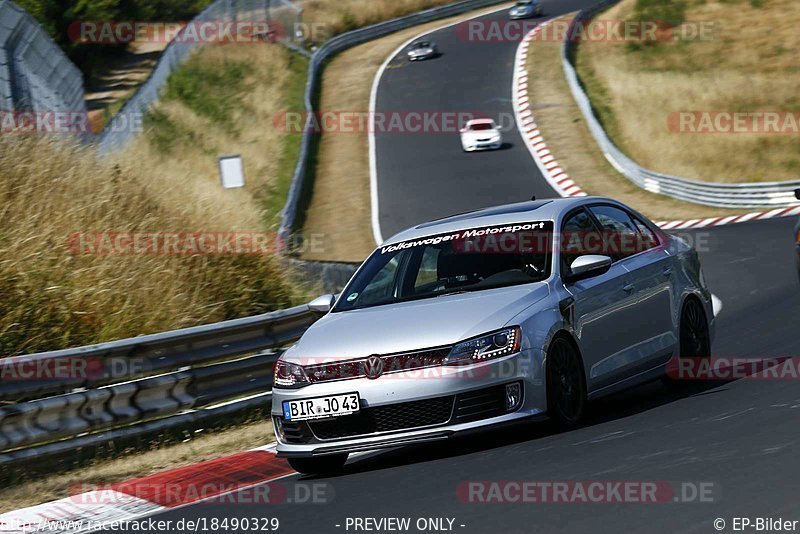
[[588, 266], [797, 194], [322, 304]]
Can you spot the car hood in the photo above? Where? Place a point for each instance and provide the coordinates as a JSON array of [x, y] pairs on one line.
[[413, 325], [483, 134]]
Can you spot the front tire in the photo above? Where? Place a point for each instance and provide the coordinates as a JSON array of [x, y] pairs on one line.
[[320, 465], [694, 345], [695, 337], [566, 384]]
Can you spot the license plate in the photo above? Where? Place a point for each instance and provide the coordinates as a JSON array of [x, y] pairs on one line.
[[321, 407]]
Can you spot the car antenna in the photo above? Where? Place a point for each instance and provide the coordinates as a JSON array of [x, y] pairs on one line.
[[533, 198]]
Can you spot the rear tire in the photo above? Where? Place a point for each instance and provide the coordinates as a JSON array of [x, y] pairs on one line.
[[320, 465], [566, 384]]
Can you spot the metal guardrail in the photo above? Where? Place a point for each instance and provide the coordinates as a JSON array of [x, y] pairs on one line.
[[329, 49], [68, 399], [737, 195], [35, 75]]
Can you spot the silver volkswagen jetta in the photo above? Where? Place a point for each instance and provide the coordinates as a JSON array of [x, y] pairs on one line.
[[495, 316]]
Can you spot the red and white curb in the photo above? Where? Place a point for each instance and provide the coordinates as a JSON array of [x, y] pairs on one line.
[[91, 510], [560, 181], [732, 219], [545, 160]]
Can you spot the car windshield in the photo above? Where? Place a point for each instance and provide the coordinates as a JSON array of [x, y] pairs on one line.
[[481, 126], [422, 45], [466, 260]]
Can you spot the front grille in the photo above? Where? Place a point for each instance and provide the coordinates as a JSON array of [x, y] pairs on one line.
[[480, 404], [392, 417], [462, 408], [392, 363]]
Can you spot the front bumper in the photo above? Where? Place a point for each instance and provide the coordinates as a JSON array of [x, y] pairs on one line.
[[413, 407], [483, 146]]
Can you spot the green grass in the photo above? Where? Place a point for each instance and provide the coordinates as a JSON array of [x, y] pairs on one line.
[[209, 91], [600, 97], [671, 12], [166, 135]]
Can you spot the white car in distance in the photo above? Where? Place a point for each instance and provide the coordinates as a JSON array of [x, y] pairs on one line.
[[481, 134]]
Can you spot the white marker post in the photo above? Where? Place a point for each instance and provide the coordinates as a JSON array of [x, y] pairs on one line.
[[231, 172]]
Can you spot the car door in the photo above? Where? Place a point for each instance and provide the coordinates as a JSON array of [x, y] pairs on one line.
[[649, 328], [600, 309]]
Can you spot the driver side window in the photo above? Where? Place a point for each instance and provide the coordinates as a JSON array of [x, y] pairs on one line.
[[622, 237], [577, 237]]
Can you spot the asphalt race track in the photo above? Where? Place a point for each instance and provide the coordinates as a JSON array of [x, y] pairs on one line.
[[743, 436], [424, 176]]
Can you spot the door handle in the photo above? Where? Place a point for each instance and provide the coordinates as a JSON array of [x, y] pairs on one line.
[[668, 272], [628, 288]]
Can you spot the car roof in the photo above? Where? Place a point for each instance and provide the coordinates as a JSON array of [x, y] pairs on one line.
[[536, 210]]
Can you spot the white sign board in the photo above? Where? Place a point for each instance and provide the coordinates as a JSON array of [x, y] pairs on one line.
[[230, 171]]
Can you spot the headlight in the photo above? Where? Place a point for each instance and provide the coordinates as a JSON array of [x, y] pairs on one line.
[[289, 375], [488, 346]]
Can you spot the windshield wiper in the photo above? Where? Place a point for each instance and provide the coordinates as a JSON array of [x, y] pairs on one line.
[[454, 292]]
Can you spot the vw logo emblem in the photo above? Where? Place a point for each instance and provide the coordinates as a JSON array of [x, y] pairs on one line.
[[373, 367]]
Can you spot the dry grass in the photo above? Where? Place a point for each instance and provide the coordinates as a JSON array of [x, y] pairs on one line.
[[51, 298], [751, 64], [138, 464], [340, 202], [223, 101], [568, 137], [166, 182]]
